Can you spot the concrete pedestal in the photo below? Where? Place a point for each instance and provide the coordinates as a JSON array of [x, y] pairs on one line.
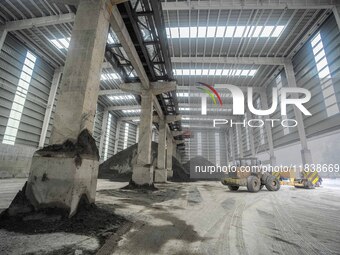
[[160, 175], [143, 175], [59, 182]]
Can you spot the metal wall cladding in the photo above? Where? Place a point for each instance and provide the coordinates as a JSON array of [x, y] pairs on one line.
[[12, 58], [307, 77], [209, 146], [131, 135]]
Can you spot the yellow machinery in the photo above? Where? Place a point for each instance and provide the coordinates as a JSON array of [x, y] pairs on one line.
[[309, 180]]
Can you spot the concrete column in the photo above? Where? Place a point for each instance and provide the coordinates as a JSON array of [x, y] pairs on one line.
[[305, 152], [143, 170], [103, 132], [169, 152], [240, 141], [160, 172], [174, 151], [336, 12], [251, 137], [231, 141], [119, 124], [80, 83], [49, 107], [264, 104], [227, 146], [137, 133], [61, 178], [3, 34]]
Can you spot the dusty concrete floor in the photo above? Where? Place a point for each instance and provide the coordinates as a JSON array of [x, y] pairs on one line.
[[201, 218]]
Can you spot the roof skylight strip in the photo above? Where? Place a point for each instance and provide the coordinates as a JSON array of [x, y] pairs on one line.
[[224, 31]]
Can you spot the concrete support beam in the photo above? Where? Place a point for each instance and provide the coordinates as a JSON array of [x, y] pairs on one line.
[[264, 104], [240, 141], [231, 141], [143, 170], [3, 34], [124, 107], [163, 87], [103, 132], [49, 107], [118, 127], [155, 87], [247, 5], [230, 60], [169, 152], [226, 145], [59, 180], [160, 172], [38, 22], [251, 137], [80, 83], [305, 152], [336, 12]]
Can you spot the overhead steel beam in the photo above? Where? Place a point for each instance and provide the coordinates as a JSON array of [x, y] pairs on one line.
[[336, 12], [124, 38], [230, 60], [185, 118], [38, 22], [247, 5]]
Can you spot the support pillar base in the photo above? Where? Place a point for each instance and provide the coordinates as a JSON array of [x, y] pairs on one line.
[[142, 175], [61, 182], [160, 175]]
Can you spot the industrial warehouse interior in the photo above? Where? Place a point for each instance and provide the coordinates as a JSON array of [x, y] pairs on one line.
[[182, 127]]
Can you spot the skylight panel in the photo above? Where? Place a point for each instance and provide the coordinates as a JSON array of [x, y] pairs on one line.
[[198, 71], [246, 32], [252, 72], [186, 72], [278, 30], [183, 94], [218, 72], [220, 31], [205, 71], [316, 40], [257, 31], [239, 31], [184, 32], [211, 72], [211, 31], [132, 111], [62, 43], [174, 32], [201, 32], [229, 31], [109, 76], [184, 109], [193, 32], [225, 72], [121, 97], [244, 73], [238, 72], [267, 31]]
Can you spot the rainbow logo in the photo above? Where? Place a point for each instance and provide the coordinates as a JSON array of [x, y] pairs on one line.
[[210, 91]]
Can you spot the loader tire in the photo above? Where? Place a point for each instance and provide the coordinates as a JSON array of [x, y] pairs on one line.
[[233, 187], [253, 184], [273, 184]]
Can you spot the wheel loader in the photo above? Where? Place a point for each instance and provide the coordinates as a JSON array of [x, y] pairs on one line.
[[254, 180]]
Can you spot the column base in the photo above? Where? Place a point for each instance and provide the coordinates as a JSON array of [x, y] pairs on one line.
[[60, 182], [160, 175], [142, 175]]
